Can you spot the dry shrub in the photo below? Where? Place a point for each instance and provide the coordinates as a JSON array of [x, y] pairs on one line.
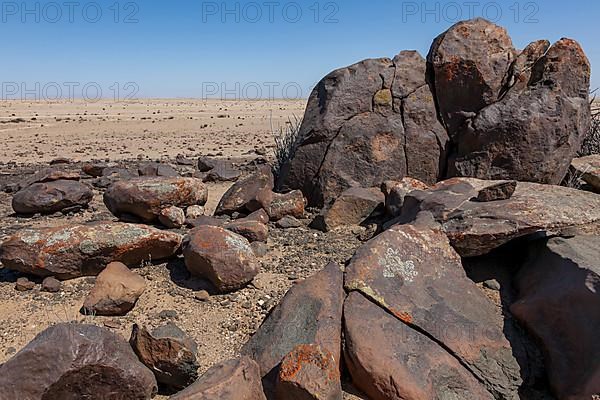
[[287, 140], [591, 143]]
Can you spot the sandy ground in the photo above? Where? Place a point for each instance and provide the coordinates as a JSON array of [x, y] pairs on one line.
[[119, 132]]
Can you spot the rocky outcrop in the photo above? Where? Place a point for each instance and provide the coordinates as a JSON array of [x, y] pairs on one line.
[[53, 196], [476, 228], [73, 361], [559, 303], [146, 197], [79, 250]]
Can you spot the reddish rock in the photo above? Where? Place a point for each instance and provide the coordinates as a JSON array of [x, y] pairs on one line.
[[51, 285], [168, 352], [395, 191], [205, 220], [475, 228], [74, 361], [559, 303], [237, 379], [259, 216], [50, 197], [499, 191], [49, 175], [310, 373], [353, 207], [310, 313], [24, 285], [80, 250], [95, 169], [281, 205], [146, 197], [172, 217], [254, 231], [413, 272], [116, 291], [248, 194], [389, 360], [224, 258], [158, 169]]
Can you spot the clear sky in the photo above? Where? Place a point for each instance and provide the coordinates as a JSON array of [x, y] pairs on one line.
[[181, 48]]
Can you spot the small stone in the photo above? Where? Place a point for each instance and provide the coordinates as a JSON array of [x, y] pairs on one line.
[[51, 285], [167, 314], [202, 295], [288, 222], [193, 212], [172, 217], [24, 285], [492, 284]]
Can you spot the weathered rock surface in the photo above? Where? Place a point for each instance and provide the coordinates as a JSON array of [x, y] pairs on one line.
[[249, 194], [53, 196], [588, 168], [510, 116], [222, 172], [194, 212], [370, 122], [353, 207], [309, 373], [254, 231], [172, 217], [115, 292], [79, 250], [158, 169], [168, 352], [310, 313], [395, 191], [237, 379], [72, 362], [559, 303], [223, 257], [413, 273], [281, 205], [95, 169], [499, 191], [389, 360], [475, 228], [146, 197], [49, 175]]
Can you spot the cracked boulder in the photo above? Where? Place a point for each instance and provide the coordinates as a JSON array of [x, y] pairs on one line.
[[74, 361], [559, 303], [413, 273], [146, 197], [309, 314], [364, 124], [81, 250], [389, 360], [475, 228], [51, 197], [510, 115]]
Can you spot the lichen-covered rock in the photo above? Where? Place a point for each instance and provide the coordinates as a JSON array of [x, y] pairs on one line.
[[223, 257], [281, 205], [559, 303], [172, 217], [79, 250], [74, 361], [53, 196], [475, 228], [413, 273], [146, 197]]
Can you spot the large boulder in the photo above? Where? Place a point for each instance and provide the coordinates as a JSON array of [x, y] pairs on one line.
[[115, 292], [311, 314], [146, 197], [370, 122], [510, 116], [223, 257], [389, 360], [414, 274], [168, 352], [53, 196], [79, 250], [73, 361], [559, 303], [49, 175], [477, 227], [237, 379]]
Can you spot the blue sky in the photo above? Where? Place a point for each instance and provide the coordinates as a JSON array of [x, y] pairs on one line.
[[243, 49]]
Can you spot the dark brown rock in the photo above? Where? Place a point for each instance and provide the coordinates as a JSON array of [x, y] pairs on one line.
[[222, 172], [588, 168], [249, 194], [353, 207], [115, 292], [476, 228], [168, 352], [281, 205], [288, 222], [310, 313], [237, 379], [258, 216], [389, 360], [254, 231], [205, 220], [24, 285], [413, 272], [172, 217], [95, 169], [223, 257], [80, 250], [146, 197], [309, 373], [49, 175], [72, 362], [51, 285], [50, 197], [498, 191], [395, 191], [559, 303], [157, 169]]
